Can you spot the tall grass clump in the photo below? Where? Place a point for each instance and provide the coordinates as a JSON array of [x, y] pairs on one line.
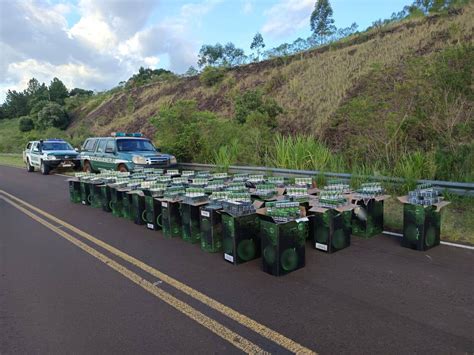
[[225, 156], [415, 166], [305, 153]]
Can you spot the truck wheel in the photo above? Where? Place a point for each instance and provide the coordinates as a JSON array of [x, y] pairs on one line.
[[29, 167], [44, 168], [122, 168], [87, 167]]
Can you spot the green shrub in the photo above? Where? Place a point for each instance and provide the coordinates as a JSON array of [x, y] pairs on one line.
[[38, 106], [210, 76], [26, 124], [254, 101], [52, 115]]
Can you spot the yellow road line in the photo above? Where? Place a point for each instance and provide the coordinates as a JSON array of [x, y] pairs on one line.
[[242, 319], [225, 333]]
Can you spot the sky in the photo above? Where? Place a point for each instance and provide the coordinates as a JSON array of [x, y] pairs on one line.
[[95, 44]]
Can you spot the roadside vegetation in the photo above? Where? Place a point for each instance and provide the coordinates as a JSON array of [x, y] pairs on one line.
[[11, 160]]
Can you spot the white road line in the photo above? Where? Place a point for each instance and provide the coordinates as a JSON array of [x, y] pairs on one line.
[[444, 243]]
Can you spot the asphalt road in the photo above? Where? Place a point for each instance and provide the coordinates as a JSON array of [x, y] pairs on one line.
[[56, 297]]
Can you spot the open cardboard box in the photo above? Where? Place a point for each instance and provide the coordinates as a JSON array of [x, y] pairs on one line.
[[318, 209], [439, 205], [356, 198], [262, 212], [421, 224]]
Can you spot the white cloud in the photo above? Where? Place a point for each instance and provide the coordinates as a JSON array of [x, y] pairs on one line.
[[247, 7], [286, 17], [72, 74], [108, 43]]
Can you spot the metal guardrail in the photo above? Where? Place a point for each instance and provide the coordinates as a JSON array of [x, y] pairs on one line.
[[458, 188]]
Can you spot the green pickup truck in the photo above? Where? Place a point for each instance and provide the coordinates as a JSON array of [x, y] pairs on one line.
[[123, 152], [49, 154]]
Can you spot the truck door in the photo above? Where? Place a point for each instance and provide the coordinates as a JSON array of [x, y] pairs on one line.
[[35, 154], [26, 151], [110, 154], [100, 159]]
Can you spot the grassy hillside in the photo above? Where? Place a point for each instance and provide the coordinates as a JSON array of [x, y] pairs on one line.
[[310, 86]]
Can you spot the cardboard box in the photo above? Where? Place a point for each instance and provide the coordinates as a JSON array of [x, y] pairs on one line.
[[330, 229], [283, 244], [191, 221], [367, 216], [211, 228], [171, 218], [421, 224], [240, 237]]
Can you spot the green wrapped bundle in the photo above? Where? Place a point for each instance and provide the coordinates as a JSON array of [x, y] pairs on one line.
[[127, 205], [152, 214], [95, 195], [74, 190], [240, 238], [190, 223], [171, 219], [106, 197], [367, 218], [421, 226], [211, 228], [331, 230], [116, 202], [137, 209], [283, 245], [85, 192]]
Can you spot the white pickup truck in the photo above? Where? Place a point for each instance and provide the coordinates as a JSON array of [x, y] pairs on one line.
[[49, 154]]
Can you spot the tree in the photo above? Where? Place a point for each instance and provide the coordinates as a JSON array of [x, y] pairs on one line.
[[26, 124], [52, 115], [211, 55], [257, 44], [58, 91], [191, 71], [321, 21], [252, 101], [218, 55], [180, 129], [233, 56], [81, 92], [37, 107], [16, 104], [36, 92]]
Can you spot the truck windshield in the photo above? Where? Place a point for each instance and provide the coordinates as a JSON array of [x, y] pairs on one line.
[[56, 146], [132, 145]]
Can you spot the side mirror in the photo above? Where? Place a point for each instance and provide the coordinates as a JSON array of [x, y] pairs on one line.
[[109, 150], [158, 149], [76, 149]]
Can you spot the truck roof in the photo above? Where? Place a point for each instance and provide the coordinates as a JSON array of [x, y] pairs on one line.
[[127, 137]]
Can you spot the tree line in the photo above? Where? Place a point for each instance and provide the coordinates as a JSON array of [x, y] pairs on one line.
[[39, 105], [323, 31]]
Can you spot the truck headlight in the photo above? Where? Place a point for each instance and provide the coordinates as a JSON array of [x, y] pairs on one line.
[[137, 159], [173, 160]]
